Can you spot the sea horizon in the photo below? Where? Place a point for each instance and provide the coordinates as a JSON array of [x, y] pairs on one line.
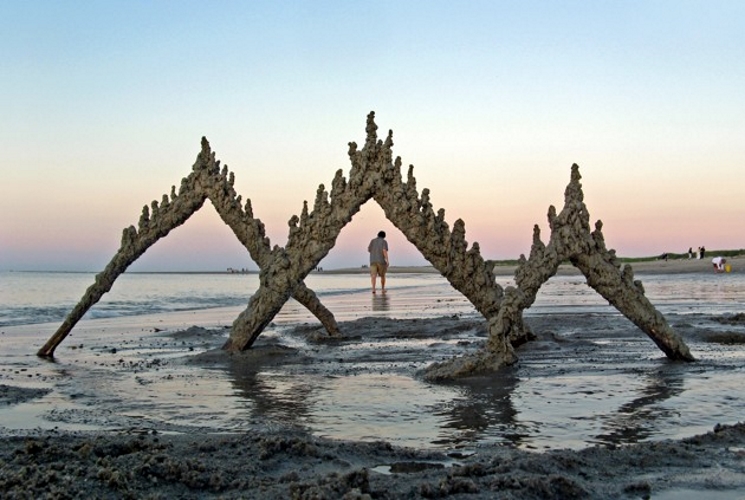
[[498, 263]]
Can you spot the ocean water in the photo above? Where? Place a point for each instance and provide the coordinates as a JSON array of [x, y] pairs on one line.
[[43, 297], [604, 382], [40, 297]]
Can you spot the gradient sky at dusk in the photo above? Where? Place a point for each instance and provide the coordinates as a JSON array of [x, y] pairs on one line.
[[105, 103]]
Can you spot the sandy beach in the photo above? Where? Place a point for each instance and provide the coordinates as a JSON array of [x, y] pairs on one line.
[[289, 464], [150, 407], [194, 195]]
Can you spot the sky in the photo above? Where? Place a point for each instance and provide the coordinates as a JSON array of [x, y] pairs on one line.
[[104, 104]]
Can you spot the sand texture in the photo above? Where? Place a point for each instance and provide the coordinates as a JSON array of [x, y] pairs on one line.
[[127, 454], [293, 465]]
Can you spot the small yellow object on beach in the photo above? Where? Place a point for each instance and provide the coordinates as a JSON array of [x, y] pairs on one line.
[[727, 268]]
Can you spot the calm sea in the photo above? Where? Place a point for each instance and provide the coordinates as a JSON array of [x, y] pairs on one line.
[[43, 297]]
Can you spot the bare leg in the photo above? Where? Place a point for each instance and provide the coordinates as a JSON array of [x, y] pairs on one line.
[[382, 283], [373, 281]]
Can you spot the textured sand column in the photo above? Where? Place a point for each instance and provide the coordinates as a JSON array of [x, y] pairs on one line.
[[157, 220], [570, 240], [374, 174]]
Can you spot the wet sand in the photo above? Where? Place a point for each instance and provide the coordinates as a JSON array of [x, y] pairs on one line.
[[291, 464], [103, 422]]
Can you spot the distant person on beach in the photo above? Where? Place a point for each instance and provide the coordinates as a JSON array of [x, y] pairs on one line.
[[690, 252], [719, 263], [703, 252], [378, 249]]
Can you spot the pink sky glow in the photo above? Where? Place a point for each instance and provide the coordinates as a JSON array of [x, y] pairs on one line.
[[105, 104]]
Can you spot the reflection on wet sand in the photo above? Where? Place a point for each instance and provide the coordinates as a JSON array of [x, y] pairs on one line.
[[637, 419], [273, 395], [274, 398], [484, 405], [380, 302], [589, 378]]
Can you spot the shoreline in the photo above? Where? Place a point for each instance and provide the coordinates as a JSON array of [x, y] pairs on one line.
[[652, 266], [673, 266]]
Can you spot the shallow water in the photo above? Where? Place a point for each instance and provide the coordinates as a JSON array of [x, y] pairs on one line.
[[599, 381]]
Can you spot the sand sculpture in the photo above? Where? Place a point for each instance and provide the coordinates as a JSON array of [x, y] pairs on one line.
[[376, 175], [571, 240], [157, 220]]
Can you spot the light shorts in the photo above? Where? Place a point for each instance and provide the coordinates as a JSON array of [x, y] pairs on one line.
[[378, 268]]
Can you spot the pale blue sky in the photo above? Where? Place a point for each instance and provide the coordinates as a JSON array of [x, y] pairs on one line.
[[104, 104]]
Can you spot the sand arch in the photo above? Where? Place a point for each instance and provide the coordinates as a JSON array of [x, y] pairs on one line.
[[571, 240], [376, 175], [206, 181]]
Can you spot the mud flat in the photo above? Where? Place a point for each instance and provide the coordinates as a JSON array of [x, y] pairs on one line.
[[130, 454], [150, 407], [290, 464]]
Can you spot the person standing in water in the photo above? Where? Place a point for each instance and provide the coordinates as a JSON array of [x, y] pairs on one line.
[[378, 249]]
